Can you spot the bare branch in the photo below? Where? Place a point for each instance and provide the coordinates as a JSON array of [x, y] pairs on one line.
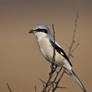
[[43, 81], [53, 66], [74, 35], [61, 87], [76, 46], [56, 86], [9, 88], [35, 87]]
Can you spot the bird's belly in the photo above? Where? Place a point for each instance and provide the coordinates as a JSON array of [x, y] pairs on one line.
[[47, 51]]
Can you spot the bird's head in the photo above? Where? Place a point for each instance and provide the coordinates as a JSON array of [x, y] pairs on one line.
[[40, 30]]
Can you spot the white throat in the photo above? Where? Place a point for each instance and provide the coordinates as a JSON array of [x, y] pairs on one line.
[[40, 35]]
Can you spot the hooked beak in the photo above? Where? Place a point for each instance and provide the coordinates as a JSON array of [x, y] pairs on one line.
[[31, 31]]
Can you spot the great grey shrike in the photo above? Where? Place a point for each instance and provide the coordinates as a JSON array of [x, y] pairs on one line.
[[46, 44]]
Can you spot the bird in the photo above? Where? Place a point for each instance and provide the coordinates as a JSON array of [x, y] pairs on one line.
[[46, 43]]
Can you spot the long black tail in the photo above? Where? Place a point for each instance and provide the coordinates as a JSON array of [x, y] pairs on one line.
[[78, 81]]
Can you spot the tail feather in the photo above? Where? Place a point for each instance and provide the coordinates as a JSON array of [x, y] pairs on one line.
[[78, 81]]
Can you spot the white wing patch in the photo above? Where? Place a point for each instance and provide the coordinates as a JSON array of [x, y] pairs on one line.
[[61, 53]]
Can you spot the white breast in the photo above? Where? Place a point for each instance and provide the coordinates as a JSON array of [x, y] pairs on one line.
[[47, 51]]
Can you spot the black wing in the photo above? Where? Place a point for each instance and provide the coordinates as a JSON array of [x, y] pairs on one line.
[[60, 50]]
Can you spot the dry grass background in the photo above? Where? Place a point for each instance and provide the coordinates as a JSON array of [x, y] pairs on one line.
[[21, 64]]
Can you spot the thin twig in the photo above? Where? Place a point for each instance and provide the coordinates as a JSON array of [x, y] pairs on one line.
[[57, 74], [74, 35], [53, 66], [35, 87], [43, 82], [9, 88], [56, 86], [76, 46]]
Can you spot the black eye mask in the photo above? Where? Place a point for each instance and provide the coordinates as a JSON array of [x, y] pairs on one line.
[[42, 30]]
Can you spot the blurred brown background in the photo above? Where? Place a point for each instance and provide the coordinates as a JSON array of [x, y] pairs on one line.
[[21, 64]]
